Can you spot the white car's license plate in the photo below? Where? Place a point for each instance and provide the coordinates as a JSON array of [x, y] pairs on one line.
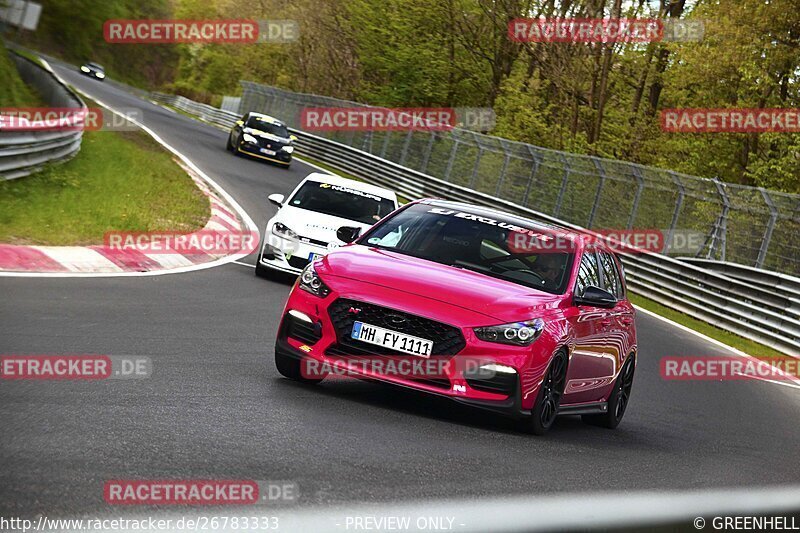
[[314, 256], [391, 339], [268, 152]]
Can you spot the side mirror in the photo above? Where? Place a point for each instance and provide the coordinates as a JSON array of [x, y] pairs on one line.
[[348, 233], [596, 297], [292, 138], [276, 199]]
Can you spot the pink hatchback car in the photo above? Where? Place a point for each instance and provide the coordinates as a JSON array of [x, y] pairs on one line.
[[472, 304]]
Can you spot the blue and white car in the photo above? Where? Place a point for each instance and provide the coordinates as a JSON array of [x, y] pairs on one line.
[[306, 223]]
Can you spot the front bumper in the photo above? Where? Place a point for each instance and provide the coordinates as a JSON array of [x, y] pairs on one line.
[[280, 157], [511, 406], [290, 256], [93, 74], [511, 395]]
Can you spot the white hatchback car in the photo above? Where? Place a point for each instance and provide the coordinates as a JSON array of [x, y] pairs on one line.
[[305, 225]]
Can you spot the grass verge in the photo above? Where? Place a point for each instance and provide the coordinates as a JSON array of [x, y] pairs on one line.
[[33, 57], [746, 345], [119, 181], [13, 91]]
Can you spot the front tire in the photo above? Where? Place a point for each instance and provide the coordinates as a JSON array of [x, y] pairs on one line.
[[229, 145], [618, 399], [290, 367], [545, 410]]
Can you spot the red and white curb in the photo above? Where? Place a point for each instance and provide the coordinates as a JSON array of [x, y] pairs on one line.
[[227, 216], [106, 259]]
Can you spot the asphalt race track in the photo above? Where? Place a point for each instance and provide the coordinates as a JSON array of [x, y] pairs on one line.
[[216, 408]]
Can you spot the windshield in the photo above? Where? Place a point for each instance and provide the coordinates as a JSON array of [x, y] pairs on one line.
[[472, 242], [95, 66], [342, 202], [267, 127]]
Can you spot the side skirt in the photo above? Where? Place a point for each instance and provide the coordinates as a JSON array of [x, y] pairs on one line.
[[594, 408]]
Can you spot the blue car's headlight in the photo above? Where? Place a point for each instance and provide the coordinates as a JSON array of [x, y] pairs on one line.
[[249, 139], [288, 149], [516, 333]]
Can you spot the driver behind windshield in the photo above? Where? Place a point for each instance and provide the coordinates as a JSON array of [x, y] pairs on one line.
[[550, 267]]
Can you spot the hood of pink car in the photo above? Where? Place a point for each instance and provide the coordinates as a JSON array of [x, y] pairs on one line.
[[500, 300]]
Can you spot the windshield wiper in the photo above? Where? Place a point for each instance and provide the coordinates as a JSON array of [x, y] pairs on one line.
[[463, 265]]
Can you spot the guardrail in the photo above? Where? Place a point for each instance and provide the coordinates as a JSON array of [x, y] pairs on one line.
[[777, 282], [748, 310], [204, 112], [24, 152]]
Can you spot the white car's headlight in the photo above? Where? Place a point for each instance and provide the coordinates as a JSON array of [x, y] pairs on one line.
[[281, 230], [84, 69], [249, 139], [516, 333], [100, 75], [288, 149]]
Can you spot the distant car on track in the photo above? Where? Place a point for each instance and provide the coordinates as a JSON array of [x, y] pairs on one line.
[[529, 332], [263, 137], [93, 70], [305, 225]]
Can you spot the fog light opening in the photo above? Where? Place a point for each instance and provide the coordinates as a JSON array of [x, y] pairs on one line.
[[500, 369], [300, 316]]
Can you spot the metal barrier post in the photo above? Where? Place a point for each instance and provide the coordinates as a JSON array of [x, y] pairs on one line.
[[426, 156], [564, 183], [639, 188], [502, 177], [366, 144], [601, 171], [452, 159], [474, 177], [676, 213], [535, 162], [721, 234], [406, 144], [773, 217], [385, 144]]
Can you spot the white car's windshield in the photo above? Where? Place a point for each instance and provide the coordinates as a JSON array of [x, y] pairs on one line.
[[342, 202]]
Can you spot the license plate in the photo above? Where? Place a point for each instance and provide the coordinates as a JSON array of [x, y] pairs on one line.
[[268, 152], [391, 339], [313, 257]]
